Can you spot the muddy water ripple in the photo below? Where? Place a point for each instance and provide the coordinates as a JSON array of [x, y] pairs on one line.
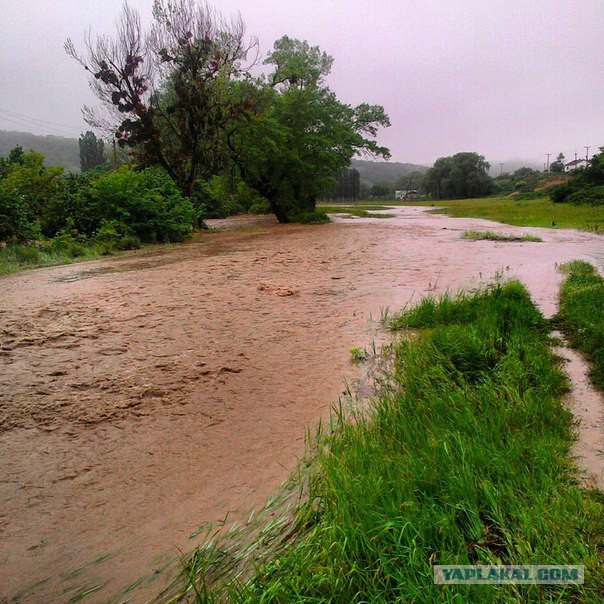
[[144, 395]]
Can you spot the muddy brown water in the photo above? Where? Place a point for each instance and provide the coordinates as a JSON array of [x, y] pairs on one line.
[[145, 395]]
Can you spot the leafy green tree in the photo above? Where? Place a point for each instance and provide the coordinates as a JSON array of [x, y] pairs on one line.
[[558, 165], [92, 151], [408, 182], [525, 172], [347, 186], [165, 92], [297, 134], [380, 190], [27, 188], [460, 176], [15, 156]]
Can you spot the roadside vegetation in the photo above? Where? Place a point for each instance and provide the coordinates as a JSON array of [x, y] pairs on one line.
[[493, 236], [462, 458], [581, 315]]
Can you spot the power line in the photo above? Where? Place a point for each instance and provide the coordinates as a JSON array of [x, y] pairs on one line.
[[35, 119], [46, 129]]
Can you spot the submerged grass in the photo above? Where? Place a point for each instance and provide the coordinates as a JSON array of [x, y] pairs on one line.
[[493, 236], [581, 315], [463, 458], [360, 211]]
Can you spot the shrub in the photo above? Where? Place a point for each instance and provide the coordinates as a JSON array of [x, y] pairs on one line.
[[311, 218], [146, 205], [260, 207], [593, 196]]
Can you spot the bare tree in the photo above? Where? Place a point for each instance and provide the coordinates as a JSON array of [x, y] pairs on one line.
[[165, 92]]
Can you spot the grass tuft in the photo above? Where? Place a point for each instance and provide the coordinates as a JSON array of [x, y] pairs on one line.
[[492, 236]]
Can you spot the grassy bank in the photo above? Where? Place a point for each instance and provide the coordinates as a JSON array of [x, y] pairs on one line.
[[17, 257], [581, 315], [463, 458], [540, 212]]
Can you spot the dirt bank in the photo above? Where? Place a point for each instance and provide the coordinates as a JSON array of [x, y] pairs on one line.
[[144, 395]]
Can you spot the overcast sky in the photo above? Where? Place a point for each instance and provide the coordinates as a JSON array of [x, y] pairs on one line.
[[510, 79]]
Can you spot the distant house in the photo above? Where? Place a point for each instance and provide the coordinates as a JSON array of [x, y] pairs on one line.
[[574, 164], [406, 194]]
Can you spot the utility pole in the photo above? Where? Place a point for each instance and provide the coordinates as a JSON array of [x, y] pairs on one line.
[[587, 154], [548, 154], [501, 169]]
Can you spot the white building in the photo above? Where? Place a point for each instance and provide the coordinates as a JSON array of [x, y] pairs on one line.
[[574, 164]]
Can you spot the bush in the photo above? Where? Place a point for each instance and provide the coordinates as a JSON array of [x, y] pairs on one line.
[[260, 207], [559, 193], [66, 244], [311, 218], [215, 198], [146, 205], [593, 196]]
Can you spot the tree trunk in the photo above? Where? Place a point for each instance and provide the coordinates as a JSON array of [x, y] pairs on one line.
[[279, 212]]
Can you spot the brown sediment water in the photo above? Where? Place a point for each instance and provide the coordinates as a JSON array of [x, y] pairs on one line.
[[144, 395]]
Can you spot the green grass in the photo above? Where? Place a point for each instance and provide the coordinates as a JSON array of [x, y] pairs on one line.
[[14, 258], [492, 236], [581, 315], [529, 212], [462, 459]]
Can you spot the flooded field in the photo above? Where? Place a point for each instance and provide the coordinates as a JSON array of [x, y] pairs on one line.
[[144, 395]]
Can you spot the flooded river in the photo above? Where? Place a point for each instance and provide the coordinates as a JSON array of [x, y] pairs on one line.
[[144, 395]]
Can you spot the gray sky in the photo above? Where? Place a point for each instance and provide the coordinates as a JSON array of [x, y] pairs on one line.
[[511, 79]]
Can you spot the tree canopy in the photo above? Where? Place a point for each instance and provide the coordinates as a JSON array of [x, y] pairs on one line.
[[92, 151], [182, 97], [460, 176]]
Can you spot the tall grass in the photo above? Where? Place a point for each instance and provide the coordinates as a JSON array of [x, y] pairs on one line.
[[581, 315], [462, 459]]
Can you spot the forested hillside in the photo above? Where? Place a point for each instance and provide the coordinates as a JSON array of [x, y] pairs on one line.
[[373, 172], [57, 150]]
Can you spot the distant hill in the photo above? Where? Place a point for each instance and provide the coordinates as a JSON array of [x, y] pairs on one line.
[[60, 151], [57, 150], [373, 172]]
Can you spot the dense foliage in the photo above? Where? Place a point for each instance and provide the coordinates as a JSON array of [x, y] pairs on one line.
[[92, 151], [585, 186], [460, 176], [119, 207], [181, 97]]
